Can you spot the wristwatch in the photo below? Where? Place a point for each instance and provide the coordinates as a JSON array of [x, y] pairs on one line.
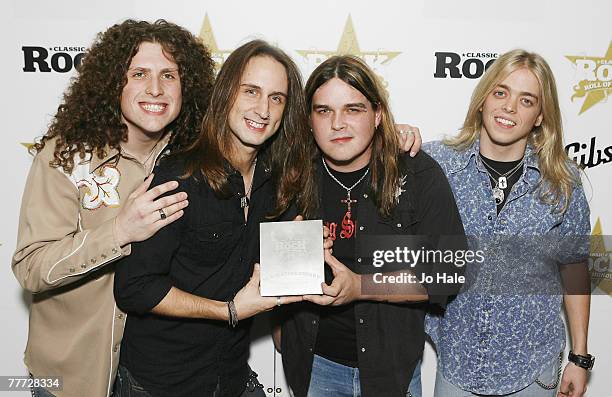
[[585, 362]]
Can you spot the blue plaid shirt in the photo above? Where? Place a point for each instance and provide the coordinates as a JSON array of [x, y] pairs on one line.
[[505, 327]]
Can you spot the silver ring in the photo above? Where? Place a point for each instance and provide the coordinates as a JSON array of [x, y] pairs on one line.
[[278, 301], [162, 214]]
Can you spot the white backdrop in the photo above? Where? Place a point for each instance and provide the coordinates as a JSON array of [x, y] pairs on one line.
[[402, 40]]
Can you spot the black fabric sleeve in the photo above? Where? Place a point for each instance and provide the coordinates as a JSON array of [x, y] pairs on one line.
[[441, 222], [143, 279]]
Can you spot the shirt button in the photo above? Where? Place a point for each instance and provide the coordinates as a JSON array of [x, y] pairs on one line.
[[216, 235], [359, 260], [365, 195], [489, 217], [361, 321], [314, 322], [399, 225], [363, 349], [361, 227], [310, 349], [120, 316]]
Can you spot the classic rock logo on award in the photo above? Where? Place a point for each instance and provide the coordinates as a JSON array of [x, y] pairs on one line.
[[593, 78]]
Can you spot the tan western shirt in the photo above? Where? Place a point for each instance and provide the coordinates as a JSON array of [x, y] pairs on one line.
[[64, 255]]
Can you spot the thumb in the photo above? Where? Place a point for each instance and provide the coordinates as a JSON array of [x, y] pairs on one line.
[[298, 218], [333, 263], [256, 272], [144, 186]]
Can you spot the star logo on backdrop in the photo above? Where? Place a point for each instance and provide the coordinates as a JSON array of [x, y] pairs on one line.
[[208, 38], [594, 75], [601, 260], [349, 45]]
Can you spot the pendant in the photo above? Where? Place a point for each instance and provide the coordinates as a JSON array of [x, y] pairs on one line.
[[502, 183], [244, 202], [498, 194]]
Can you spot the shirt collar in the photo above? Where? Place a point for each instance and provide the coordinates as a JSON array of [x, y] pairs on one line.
[[462, 160], [111, 153]]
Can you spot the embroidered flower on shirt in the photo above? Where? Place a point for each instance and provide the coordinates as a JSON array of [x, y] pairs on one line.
[[101, 188], [399, 190]]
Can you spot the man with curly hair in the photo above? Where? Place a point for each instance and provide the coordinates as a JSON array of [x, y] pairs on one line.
[[140, 92]]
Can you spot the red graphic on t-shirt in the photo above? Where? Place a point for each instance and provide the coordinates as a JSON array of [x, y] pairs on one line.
[[347, 227]]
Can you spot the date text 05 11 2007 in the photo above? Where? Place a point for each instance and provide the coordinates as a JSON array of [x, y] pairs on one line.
[[25, 383]]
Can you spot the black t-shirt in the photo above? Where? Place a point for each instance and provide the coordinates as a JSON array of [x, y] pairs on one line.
[[502, 167], [389, 337], [336, 339]]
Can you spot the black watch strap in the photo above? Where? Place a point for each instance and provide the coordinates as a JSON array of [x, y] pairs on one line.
[[585, 362]]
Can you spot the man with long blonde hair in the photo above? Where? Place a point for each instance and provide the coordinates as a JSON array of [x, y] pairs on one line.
[[521, 199]]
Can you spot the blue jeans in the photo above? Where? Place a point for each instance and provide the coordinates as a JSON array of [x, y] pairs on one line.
[[330, 379]]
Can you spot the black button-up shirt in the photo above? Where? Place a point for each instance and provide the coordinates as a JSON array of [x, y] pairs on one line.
[[208, 252], [390, 337]]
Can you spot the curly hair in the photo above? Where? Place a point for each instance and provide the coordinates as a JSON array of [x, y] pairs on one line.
[[89, 118]]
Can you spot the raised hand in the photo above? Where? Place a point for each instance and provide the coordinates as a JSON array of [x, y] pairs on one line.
[[143, 214], [410, 138]]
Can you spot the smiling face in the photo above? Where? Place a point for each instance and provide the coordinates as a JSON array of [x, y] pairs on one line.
[[257, 111], [343, 122], [151, 99], [510, 112]]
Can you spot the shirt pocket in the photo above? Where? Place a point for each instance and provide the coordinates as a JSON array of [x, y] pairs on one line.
[[211, 244]]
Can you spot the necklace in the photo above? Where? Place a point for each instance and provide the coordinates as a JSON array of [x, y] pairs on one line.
[[346, 220], [501, 182], [144, 162], [244, 200]]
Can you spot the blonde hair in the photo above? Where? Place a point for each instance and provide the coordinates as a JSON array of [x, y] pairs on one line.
[[546, 139]]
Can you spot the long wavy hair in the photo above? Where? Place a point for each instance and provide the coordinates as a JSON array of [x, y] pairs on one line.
[[547, 138], [89, 118], [384, 163], [284, 153]]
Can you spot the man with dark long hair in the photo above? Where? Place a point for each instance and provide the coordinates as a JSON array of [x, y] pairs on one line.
[[187, 288], [364, 336], [141, 89]]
